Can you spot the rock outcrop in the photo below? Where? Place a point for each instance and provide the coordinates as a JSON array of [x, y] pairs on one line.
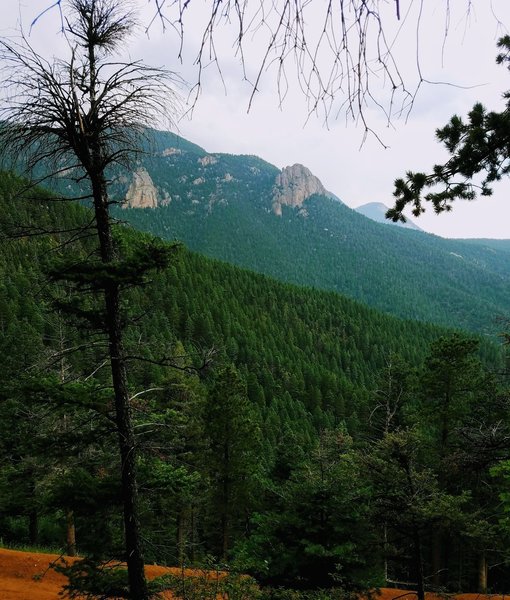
[[207, 160], [141, 193], [171, 151], [293, 186]]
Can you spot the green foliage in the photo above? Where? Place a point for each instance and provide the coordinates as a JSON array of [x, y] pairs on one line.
[[337, 593], [93, 580], [317, 532], [221, 205], [406, 273], [279, 454], [476, 145], [209, 585]]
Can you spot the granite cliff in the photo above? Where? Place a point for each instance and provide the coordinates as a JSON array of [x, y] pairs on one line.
[[293, 186], [142, 192]]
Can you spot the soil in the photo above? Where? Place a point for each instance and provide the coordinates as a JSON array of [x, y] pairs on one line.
[[395, 594], [27, 576]]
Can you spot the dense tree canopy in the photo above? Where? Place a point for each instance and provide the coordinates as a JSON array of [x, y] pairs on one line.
[[278, 457]]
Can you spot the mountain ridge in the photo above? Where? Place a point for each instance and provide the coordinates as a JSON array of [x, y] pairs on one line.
[[222, 205], [377, 212]]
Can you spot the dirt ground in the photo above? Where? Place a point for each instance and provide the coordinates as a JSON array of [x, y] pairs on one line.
[[25, 576], [394, 594]]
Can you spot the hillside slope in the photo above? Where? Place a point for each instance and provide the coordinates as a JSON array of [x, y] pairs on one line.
[[318, 349], [20, 579], [284, 223], [228, 207]]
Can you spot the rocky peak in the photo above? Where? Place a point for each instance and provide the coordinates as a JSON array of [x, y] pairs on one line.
[[142, 192], [293, 186]]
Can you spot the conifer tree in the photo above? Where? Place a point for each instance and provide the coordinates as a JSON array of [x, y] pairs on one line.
[[479, 156], [233, 436], [84, 113]]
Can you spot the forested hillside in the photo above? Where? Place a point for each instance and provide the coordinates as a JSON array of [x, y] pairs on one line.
[[221, 205], [298, 435], [224, 206]]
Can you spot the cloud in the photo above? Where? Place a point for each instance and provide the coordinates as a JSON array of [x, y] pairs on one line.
[[284, 134]]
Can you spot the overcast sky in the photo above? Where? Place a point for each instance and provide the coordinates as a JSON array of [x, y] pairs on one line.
[[357, 173]]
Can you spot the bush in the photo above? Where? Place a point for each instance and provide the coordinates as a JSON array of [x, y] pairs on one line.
[[206, 585], [91, 579]]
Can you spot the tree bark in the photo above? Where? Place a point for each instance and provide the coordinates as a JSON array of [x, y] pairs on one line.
[[127, 446], [225, 516], [134, 558], [482, 573], [193, 534], [418, 563], [183, 528], [437, 545], [70, 534]]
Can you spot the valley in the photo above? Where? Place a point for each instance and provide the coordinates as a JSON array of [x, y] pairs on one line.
[[233, 208], [213, 365]]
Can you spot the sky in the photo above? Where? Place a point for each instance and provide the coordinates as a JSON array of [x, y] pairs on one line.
[[460, 67]]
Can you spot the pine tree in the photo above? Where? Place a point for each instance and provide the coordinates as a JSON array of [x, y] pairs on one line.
[[478, 147], [234, 444], [84, 113]]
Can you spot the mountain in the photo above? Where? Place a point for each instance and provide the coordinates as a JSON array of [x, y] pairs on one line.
[[294, 389], [499, 245], [283, 223], [317, 350], [377, 212]]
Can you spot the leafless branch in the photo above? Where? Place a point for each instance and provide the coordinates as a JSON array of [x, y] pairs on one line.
[[185, 362], [335, 52], [47, 100]]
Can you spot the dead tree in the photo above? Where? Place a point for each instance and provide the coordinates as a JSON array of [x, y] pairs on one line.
[[337, 52], [84, 113]]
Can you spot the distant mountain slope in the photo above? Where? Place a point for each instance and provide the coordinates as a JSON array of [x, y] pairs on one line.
[[377, 212], [246, 211], [499, 245], [310, 352]]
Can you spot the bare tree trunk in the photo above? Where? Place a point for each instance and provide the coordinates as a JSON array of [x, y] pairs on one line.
[[385, 552], [127, 446], [70, 534], [418, 563], [225, 535], [134, 558], [225, 516], [183, 527], [482, 573], [437, 544], [193, 533], [416, 541]]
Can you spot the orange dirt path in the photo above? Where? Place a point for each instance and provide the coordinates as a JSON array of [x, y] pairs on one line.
[[18, 569], [394, 594]]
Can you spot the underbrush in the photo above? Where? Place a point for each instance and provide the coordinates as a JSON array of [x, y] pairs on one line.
[[92, 580], [36, 549]]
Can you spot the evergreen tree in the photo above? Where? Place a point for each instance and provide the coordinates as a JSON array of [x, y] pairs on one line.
[[478, 145], [315, 531], [82, 112], [233, 458]]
